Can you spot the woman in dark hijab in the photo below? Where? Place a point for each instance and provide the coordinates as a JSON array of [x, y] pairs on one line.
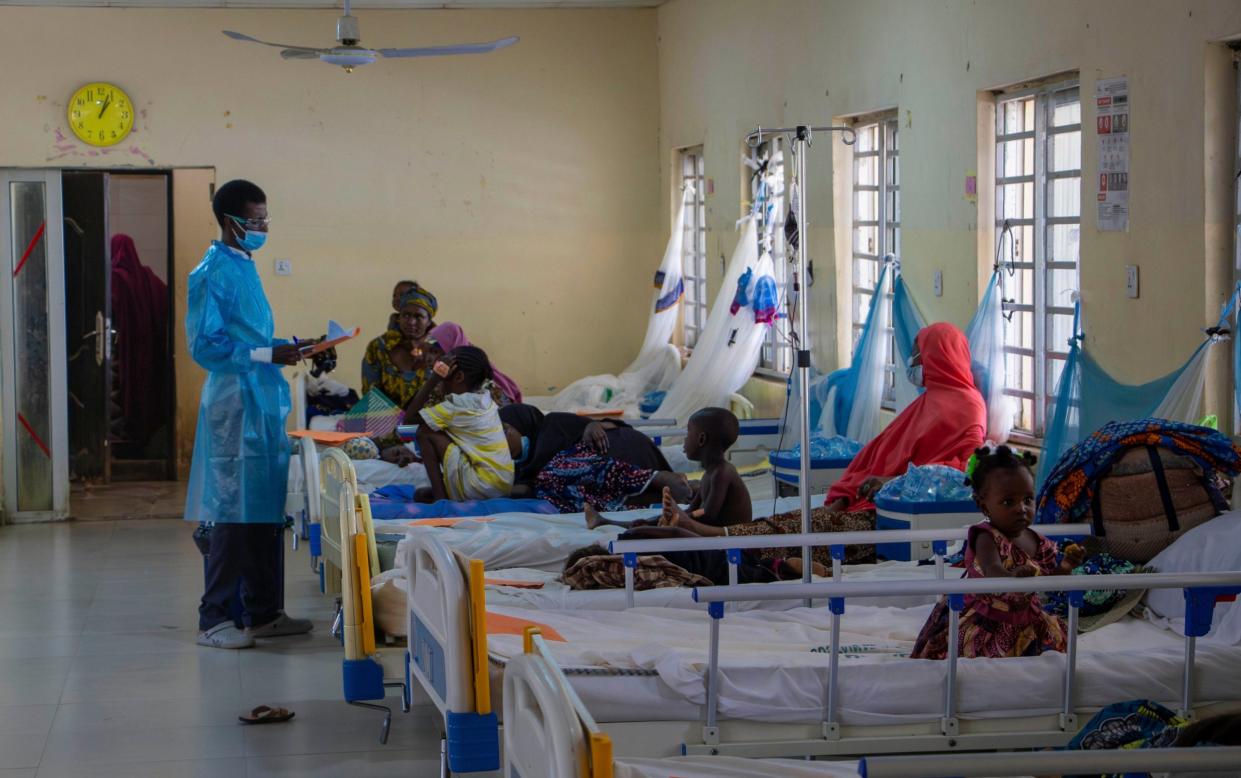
[[573, 461]]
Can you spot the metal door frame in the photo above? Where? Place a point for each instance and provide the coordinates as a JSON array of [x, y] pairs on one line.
[[58, 366]]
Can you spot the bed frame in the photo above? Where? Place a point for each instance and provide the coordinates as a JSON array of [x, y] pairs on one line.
[[332, 470], [553, 735], [448, 657], [367, 672]]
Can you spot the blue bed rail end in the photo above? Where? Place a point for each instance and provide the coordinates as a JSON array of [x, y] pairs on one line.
[[473, 742], [363, 680], [316, 540]]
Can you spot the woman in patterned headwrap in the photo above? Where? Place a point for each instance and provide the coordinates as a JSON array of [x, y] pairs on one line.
[[394, 361]]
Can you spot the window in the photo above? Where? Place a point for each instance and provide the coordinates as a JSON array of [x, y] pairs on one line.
[[766, 169], [694, 248], [1038, 182], [876, 223]]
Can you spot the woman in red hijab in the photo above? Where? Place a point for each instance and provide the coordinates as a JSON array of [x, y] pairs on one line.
[[942, 427]]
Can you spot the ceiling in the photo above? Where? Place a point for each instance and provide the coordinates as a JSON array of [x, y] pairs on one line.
[[357, 4]]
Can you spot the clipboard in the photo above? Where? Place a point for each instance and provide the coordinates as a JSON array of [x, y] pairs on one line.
[[336, 334]]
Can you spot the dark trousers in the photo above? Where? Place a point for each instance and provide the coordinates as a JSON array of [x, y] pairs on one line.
[[713, 565], [244, 561]]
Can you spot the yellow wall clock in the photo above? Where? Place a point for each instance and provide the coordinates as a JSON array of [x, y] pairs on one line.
[[101, 114]]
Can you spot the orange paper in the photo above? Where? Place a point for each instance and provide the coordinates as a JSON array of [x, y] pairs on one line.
[[601, 413], [499, 624], [327, 437], [513, 582], [443, 522]]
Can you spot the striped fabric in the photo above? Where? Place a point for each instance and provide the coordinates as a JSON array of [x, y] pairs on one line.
[[375, 415], [478, 465]]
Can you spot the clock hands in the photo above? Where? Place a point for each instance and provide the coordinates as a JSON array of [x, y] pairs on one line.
[[107, 101]]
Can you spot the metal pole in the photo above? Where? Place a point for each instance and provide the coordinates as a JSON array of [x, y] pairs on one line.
[[837, 605], [713, 665], [1187, 692], [1070, 661], [630, 562], [802, 145]]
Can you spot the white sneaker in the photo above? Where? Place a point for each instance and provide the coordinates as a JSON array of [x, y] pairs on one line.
[[281, 626], [225, 635]]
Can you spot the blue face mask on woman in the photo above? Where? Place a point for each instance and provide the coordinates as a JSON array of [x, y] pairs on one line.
[[251, 240], [913, 373], [525, 451]]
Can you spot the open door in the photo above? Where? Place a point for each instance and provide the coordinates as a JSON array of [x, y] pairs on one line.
[[32, 346], [88, 323]]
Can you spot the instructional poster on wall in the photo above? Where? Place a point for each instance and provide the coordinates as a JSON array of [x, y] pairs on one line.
[[1112, 128]]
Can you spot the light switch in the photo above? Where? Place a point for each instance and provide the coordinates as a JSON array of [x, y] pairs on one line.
[[1131, 281], [939, 283], [284, 267]]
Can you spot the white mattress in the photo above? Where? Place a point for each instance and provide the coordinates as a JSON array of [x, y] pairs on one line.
[[730, 767], [651, 665], [555, 595], [537, 540], [372, 474]]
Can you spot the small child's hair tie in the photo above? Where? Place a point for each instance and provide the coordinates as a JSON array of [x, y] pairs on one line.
[[970, 466]]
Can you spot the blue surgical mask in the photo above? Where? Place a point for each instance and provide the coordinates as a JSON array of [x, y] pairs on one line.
[[913, 373], [525, 451], [252, 240]]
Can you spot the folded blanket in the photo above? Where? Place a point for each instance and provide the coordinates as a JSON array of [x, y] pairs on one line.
[[608, 572]]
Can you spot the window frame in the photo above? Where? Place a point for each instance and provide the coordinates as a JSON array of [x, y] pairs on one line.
[[695, 308], [886, 224], [1040, 264], [776, 356]]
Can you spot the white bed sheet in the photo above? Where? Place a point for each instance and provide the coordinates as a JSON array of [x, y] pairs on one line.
[[555, 595], [774, 667], [730, 767], [538, 540], [372, 474]]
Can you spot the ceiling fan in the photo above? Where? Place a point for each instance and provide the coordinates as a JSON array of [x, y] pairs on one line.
[[350, 55]]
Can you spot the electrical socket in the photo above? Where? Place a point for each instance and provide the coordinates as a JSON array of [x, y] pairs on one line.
[[939, 283], [284, 267]]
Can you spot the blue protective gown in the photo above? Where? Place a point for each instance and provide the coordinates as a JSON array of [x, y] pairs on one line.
[[240, 467]]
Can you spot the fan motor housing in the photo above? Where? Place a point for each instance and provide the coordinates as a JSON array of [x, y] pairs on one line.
[[348, 31]]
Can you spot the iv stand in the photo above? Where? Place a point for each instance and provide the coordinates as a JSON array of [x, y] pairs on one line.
[[801, 136]]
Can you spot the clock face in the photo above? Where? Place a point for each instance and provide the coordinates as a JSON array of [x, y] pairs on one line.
[[101, 114]]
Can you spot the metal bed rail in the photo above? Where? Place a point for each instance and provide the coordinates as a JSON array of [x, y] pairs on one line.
[[1202, 591], [837, 541], [1223, 759]]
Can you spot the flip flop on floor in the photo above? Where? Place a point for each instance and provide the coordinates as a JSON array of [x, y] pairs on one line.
[[265, 714]]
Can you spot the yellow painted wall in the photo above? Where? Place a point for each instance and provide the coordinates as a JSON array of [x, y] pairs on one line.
[[522, 187], [727, 66]]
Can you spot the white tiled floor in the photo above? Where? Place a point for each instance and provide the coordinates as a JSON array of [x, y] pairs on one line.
[[100, 676]]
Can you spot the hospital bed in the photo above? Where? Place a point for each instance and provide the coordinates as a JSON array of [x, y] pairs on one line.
[[551, 734], [652, 691]]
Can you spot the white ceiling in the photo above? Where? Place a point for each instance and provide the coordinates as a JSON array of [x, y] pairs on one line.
[[359, 4]]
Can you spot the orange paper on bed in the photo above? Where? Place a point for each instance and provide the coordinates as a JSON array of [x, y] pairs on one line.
[[514, 583], [499, 624], [327, 437], [444, 522]]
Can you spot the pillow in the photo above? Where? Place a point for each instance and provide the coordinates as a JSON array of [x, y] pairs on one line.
[[1210, 547]]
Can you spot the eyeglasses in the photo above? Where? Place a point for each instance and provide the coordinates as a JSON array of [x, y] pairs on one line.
[[251, 224]]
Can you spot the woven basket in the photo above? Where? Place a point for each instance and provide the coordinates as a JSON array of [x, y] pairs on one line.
[[1134, 523]]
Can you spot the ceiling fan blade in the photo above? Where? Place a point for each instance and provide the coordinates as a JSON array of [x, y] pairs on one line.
[[237, 36], [301, 53], [443, 51]]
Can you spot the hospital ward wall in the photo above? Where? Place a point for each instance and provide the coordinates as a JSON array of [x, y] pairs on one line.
[[521, 187], [728, 66]]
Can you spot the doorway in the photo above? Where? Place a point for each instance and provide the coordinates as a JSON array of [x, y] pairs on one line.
[[96, 261], [119, 310]]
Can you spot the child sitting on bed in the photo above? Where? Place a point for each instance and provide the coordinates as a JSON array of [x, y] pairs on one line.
[[1002, 625], [722, 498], [463, 443]]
